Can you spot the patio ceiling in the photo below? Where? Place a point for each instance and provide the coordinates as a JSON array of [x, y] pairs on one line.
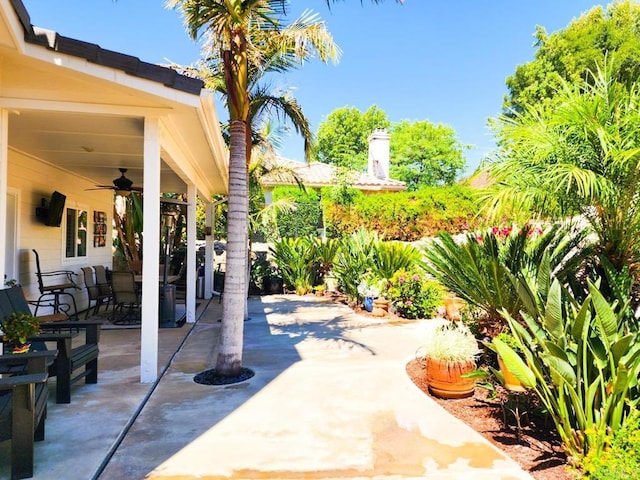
[[91, 146]]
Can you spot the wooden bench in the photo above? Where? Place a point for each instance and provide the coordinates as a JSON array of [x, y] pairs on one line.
[[23, 406], [72, 363]]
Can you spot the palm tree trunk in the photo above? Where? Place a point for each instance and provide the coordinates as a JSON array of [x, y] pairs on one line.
[[229, 361]]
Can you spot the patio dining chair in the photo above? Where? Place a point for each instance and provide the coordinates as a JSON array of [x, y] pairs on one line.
[[126, 298], [94, 291], [103, 281], [53, 286]]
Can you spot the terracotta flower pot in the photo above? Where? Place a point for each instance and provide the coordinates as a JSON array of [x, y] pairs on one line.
[[452, 307], [380, 307], [445, 378], [511, 382]]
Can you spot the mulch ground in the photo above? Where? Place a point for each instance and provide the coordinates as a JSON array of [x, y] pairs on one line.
[[534, 445]]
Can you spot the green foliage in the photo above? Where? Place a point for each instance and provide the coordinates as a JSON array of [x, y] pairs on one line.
[[621, 459], [580, 360], [354, 258], [425, 154], [478, 268], [413, 295], [18, 327], [304, 219], [295, 259], [581, 157], [342, 139], [405, 216], [304, 261], [569, 53], [389, 257]]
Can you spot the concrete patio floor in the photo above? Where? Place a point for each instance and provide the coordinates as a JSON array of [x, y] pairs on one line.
[[329, 400]]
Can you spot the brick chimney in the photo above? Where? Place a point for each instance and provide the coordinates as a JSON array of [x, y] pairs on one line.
[[378, 165]]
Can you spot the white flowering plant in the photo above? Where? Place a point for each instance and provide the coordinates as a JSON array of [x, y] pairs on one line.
[[370, 286]]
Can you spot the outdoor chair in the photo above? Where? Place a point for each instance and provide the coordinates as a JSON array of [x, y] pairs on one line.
[[126, 298], [94, 292], [103, 281], [53, 288]]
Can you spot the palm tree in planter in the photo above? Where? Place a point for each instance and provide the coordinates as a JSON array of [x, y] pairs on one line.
[[239, 31], [450, 355]]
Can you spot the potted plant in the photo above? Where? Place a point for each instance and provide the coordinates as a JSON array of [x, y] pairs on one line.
[[18, 328], [450, 355], [369, 289]]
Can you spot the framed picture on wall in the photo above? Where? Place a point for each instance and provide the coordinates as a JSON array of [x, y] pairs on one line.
[[99, 229]]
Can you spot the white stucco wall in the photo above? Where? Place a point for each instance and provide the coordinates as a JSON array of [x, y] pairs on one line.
[[33, 180]]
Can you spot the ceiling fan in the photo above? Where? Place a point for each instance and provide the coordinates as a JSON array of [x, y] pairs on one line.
[[121, 185]]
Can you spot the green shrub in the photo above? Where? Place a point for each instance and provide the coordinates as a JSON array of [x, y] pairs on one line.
[[413, 295], [353, 259], [303, 262], [579, 358], [389, 257], [304, 219], [295, 258], [478, 267], [621, 459], [405, 216]]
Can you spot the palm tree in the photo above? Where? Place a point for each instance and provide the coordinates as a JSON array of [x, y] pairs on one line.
[[581, 157], [238, 32]]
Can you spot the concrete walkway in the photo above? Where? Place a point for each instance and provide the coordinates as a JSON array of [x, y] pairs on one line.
[[329, 400]]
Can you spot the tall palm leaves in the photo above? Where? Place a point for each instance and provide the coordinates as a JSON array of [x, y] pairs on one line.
[[238, 33], [581, 157]]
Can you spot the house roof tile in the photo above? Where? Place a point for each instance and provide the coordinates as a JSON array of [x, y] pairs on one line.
[[108, 58], [316, 174]]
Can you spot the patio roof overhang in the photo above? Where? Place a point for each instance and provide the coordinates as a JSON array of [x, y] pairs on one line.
[[86, 115]]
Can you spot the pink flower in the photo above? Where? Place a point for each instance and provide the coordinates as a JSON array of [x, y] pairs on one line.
[[495, 230], [416, 277], [401, 280]]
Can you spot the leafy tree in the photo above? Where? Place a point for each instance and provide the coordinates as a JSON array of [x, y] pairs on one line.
[[342, 139], [424, 154], [238, 32], [568, 55]]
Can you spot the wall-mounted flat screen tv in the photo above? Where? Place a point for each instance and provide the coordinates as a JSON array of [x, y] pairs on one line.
[[56, 209]]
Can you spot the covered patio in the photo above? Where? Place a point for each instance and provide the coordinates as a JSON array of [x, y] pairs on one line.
[[72, 115]]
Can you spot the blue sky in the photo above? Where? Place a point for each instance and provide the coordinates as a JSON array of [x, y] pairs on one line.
[[442, 61]]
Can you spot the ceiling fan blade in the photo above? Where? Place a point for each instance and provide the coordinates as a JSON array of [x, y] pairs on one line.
[[101, 187]]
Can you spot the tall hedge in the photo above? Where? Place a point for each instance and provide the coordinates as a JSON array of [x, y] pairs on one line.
[[305, 219], [406, 216]]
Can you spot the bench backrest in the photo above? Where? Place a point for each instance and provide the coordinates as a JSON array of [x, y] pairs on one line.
[[12, 300]]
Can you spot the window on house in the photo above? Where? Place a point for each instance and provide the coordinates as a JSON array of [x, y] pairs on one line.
[[76, 233]]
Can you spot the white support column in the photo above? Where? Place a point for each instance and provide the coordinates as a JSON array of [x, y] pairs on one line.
[[208, 251], [191, 254], [150, 253], [4, 165]]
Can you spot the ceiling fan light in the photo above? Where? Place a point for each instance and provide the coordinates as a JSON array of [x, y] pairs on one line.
[[123, 193]]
